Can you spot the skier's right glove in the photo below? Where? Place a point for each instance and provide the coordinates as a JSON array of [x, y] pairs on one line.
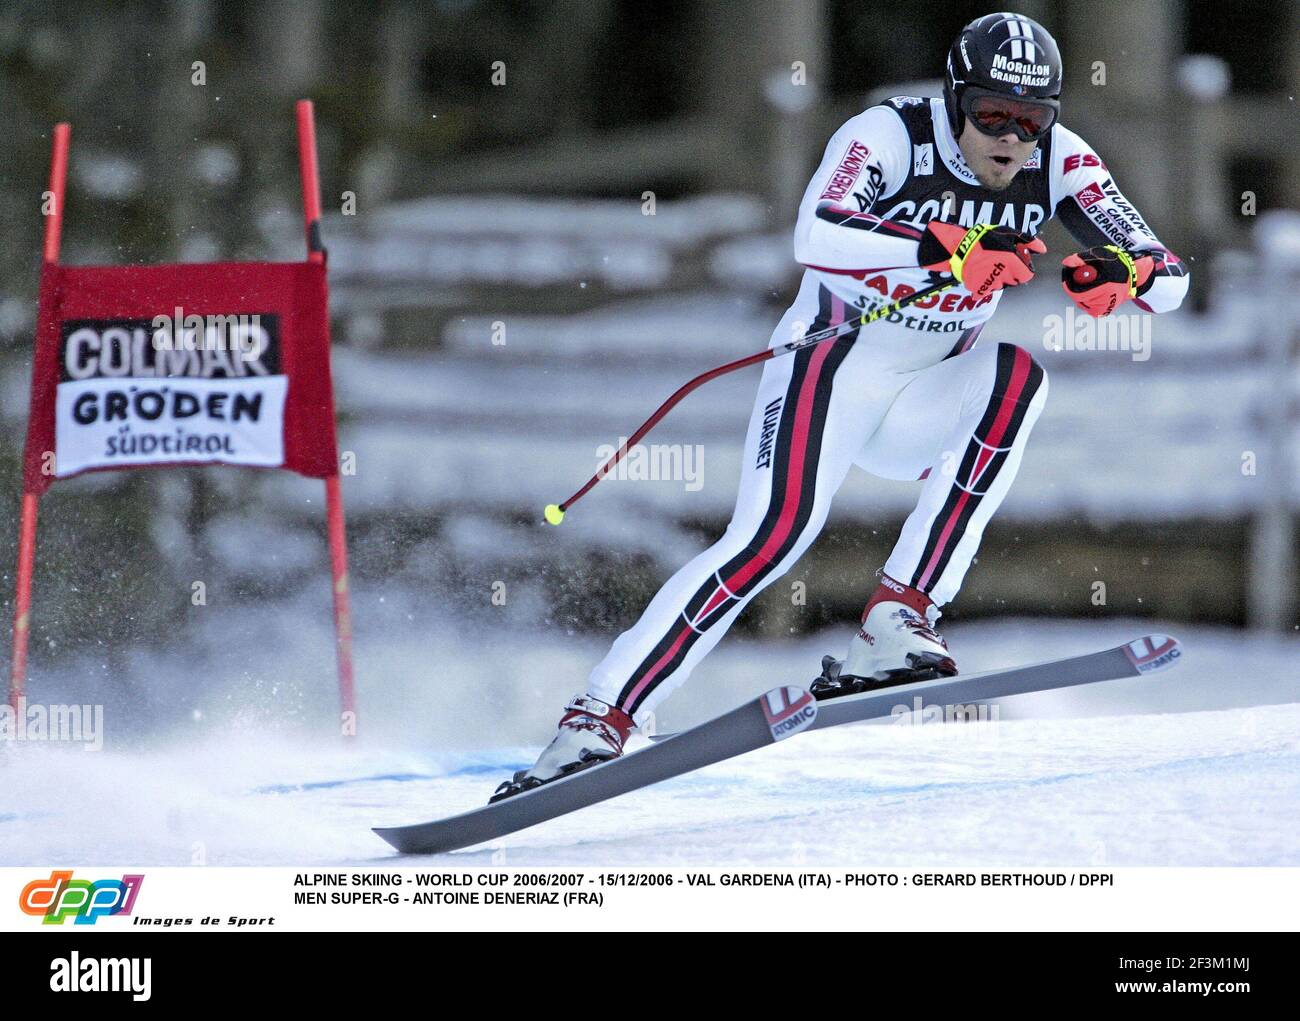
[[983, 258]]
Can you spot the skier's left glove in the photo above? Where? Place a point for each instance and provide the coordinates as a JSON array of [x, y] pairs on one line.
[[1101, 279], [984, 258]]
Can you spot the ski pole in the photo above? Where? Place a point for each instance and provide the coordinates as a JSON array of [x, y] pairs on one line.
[[554, 512]]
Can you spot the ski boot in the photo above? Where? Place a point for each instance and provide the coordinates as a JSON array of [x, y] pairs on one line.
[[896, 644], [591, 732]]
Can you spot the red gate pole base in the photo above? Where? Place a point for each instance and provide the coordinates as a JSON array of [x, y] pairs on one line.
[[342, 605], [23, 598]]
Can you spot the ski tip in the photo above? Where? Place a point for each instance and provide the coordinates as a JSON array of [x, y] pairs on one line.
[[392, 836], [1153, 652], [788, 711]]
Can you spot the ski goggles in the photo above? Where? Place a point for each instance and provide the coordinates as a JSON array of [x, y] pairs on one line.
[[996, 114]]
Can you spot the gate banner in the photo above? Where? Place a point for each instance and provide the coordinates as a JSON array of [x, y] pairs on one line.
[[217, 363]]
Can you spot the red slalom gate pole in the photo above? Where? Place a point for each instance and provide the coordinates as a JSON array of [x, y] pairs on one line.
[[27, 523], [23, 598], [310, 173], [342, 602], [334, 521], [58, 181]]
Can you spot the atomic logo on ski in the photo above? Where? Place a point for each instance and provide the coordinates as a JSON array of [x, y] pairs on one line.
[[788, 711], [1154, 652]]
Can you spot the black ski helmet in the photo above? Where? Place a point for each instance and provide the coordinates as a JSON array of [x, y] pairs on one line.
[[1006, 53]]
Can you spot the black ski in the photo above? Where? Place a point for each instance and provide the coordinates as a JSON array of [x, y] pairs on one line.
[[780, 713], [775, 716], [1138, 657]]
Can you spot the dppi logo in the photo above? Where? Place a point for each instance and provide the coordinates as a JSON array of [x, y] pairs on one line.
[[61, 897]]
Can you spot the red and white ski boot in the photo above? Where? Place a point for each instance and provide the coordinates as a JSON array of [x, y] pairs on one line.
[[896, 644], [591, 732]]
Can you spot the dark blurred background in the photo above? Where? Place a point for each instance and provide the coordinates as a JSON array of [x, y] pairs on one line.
[[542, 217]]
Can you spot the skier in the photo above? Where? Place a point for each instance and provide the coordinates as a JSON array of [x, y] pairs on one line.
[[907, 193]]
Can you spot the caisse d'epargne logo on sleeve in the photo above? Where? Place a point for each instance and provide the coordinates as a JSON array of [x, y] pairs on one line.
[[187, 389]]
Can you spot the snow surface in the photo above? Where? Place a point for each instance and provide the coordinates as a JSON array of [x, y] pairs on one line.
[[1199, 765]]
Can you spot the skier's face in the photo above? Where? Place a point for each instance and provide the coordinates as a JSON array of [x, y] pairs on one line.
[[994, 161]]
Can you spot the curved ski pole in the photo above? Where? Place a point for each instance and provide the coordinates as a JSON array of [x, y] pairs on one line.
[[554, 513]]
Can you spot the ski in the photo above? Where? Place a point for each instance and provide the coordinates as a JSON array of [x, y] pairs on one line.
[[780, 713], [1136, 658], [1133, 659], [775, 716]]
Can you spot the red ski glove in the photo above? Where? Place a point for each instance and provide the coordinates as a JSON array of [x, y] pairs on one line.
[[1101, 279], [983, 258]]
